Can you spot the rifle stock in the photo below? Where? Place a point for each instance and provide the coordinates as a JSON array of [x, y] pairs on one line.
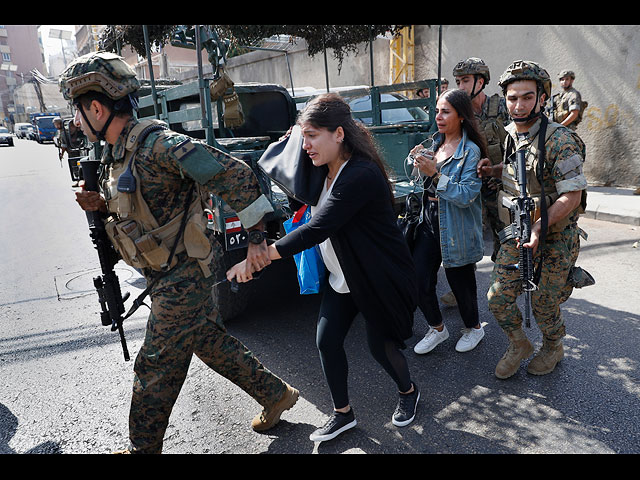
[[107, 285]]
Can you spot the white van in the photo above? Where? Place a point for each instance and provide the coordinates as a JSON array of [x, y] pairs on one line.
[[22, 129]]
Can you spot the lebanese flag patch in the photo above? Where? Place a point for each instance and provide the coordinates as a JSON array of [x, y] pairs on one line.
[[233, 224]]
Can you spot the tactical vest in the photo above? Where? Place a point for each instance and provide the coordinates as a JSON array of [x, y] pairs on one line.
[[561, 109], [136, 234], [493, 130], [510, 189]]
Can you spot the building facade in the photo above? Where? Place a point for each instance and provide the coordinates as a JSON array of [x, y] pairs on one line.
[[21, 51]]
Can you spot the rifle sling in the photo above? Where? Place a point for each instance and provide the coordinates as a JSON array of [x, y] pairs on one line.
[[544, 219]]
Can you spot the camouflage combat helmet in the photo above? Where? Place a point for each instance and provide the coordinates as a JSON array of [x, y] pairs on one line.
[[566, 73], [103, 72], [526, 70], [472, 66], [106, 73]]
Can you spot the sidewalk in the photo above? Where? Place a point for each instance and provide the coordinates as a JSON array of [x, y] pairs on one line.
[[613, 204]]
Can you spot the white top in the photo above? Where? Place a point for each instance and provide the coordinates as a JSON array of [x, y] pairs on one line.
[[336, 277]]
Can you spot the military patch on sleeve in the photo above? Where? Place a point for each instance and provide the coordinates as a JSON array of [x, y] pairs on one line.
[[196, 160]]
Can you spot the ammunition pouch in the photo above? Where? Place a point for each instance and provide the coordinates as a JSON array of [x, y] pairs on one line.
[[493, 130], [152, 249], [220, 86], [560, 110], [578, 277], [233, 115]]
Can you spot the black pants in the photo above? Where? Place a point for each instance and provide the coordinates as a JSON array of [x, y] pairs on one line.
[[337, 312], [427, 258]]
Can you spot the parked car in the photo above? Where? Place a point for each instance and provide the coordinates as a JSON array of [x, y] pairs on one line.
[[390, 116], [22, 130], [361, 105], [31, 133], [6, 137]]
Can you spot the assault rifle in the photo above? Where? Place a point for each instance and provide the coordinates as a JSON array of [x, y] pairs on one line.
[[521, 208], [107, 284]]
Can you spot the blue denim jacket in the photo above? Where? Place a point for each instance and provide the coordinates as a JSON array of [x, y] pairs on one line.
[[460, 205]]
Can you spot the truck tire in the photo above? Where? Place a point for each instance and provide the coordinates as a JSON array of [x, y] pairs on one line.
[[231, 304]]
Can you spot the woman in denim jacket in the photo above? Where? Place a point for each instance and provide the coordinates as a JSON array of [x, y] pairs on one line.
[[450, 232]]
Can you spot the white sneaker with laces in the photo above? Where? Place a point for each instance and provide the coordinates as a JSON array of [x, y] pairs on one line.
[[470, 339], [432, 339]]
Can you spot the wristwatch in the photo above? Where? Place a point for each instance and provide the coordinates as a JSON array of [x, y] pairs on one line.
[[257, 237]]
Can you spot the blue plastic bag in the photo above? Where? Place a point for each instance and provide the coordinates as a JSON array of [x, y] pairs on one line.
[[311, 269]]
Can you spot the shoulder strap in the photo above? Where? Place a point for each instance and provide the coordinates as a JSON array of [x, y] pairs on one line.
[[139, 132], [136, 137]]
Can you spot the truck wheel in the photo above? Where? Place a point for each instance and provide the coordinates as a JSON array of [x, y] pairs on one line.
[[231, 304]]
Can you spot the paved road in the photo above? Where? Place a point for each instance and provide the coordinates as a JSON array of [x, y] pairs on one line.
[[65, 388]]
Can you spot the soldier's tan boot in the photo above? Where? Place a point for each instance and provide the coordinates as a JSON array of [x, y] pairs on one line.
[[547, 357], [271, 415], [519, 349]]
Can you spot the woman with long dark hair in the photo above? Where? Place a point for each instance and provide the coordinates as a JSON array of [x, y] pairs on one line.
[[450, 232], [369, 264]]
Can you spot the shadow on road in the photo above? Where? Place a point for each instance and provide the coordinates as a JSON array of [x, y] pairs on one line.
[[464, 407]]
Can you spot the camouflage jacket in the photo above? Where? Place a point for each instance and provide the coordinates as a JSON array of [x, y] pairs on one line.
[[165, 183]]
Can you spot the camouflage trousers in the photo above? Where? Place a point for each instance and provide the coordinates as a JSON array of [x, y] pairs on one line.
[[560, 254], [184, 321]]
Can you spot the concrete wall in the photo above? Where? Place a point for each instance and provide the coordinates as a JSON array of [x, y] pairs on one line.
[[605, 59], [271, 67]]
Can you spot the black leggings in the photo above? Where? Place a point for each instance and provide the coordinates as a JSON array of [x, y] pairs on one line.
[[337, 312], [427, 258]]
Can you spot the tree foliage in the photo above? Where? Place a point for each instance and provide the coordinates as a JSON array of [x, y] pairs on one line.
[[133, 35], [341, 39]]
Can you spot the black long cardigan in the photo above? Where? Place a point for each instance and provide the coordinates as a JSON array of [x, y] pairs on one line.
[[359, 219]]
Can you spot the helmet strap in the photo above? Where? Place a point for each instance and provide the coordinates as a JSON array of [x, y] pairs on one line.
[[474, 94], [533, 114], [101, 134]]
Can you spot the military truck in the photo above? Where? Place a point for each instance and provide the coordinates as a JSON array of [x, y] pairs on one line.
[[267, 112], [43, 126]]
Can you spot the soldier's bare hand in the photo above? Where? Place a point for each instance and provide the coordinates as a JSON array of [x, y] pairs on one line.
[[484, 168], [533, 240], [257, 256], [91, 201], [241, 272]]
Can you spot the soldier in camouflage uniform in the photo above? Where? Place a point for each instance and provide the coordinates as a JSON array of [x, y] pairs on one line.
[[74, 143], [472, 75], [567, 105], [527, 86], [169, 168]]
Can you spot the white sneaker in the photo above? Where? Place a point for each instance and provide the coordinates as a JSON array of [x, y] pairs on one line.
[[431, 340], [470, 338]]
